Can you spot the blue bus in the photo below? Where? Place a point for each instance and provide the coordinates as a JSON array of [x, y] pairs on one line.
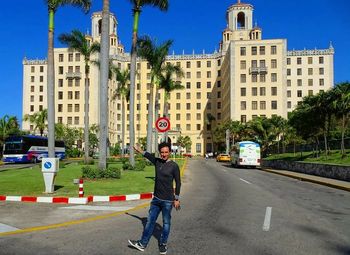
[[29, 148]]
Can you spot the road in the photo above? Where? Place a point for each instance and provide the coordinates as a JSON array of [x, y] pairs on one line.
[[224, 211]]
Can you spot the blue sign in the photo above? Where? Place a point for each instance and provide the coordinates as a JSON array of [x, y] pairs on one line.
[[48, 165]]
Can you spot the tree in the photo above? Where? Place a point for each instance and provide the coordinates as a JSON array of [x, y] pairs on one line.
[[341, 105], [185, 142], [77, 41], [155, 56], [167, 83], [38, 119], [104, 60], [8, 126], [123, 90], [137, 7], [53, 5]]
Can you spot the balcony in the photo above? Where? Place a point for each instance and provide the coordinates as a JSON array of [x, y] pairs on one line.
[[258, 70], [73, 75]]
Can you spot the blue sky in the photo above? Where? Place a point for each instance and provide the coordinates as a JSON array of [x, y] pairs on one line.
[[192, 24]]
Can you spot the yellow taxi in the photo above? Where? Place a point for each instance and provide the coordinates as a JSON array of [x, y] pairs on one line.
[[223, 158]]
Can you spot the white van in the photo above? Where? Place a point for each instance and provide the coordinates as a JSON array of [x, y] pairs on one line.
[[246, 153]]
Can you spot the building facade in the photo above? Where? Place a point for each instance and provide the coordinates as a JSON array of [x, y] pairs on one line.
[[246, 78]]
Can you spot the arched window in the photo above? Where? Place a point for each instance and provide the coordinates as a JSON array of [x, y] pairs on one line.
[[241, 20]]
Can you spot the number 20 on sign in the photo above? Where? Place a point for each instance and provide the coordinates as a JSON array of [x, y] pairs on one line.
[[162, 124]]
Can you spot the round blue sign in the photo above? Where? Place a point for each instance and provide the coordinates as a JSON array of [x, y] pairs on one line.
[[47, 165]]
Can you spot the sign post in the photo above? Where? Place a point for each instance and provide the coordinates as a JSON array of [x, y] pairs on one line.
[[49, 168]]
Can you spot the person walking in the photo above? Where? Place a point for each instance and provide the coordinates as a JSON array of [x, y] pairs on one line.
[[164, 199]]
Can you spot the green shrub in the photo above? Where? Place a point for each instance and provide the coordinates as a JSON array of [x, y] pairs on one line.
[[113, 172], [89, 172], [90, 161], [140, 165], [124, 160], [127, 166]]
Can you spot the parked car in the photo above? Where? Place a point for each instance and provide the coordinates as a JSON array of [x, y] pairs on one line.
[[188, 155], [223, 158]]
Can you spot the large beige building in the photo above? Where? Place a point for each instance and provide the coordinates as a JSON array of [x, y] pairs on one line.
[[247, 77]]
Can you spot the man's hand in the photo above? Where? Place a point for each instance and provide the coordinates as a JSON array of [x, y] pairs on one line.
[[138, 149], [177, 205]]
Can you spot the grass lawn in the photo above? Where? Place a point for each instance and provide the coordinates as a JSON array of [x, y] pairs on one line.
[[333, 158], [30, 182]]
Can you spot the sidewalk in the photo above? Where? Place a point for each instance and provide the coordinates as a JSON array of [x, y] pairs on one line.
[[343, 185]]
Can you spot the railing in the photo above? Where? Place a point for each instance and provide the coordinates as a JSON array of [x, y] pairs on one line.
[[73, 75], [256, 70]]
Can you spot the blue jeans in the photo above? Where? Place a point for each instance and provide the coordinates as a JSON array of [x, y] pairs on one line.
[[157, 206]]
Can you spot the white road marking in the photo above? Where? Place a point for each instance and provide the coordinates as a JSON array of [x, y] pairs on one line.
[[224, 170], [266, 226], [244, 181], [98, 208], [6, 228]]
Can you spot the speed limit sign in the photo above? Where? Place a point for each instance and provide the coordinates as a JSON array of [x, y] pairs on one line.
[[162, 124]]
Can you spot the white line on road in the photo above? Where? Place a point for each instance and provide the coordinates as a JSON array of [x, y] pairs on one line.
[[266, 226], [224, 170], [244, 181], [6, 228], [98, 208]]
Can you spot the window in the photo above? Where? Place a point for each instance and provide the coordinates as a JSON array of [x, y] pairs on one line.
[[273, 63], [76, 120], [198, 85], [262, 63], [77, 94], [31, 98], [254, 50], [262, 50], [254, 77], [60, 70], [60, 95], [198, 95], [188, 106], [309, 60], [219, 94], [70, 94], [208, 74], [320, 60], [178, 96], [243, 92], [198, 106], [289, 104], [300, 82], [198, 116], [219, 62], [218, 105], [199, 75], [321, 82], [243, 64], [273, 105], [243, 118], [262, 91], [77, 107], [198, 148], [32, 69], [273, 77], [218, 84], [70, 57], [60, 107], [188, 95], [188, 116], [273, 50], [289, 83], [262, 77], [321, 71], [243, 105], [208, 63], [209, 85], [310, 82], [59, 120], [310, 92], [40, 108], [262, 105], [69, 120], [32, 108], [254, 63], [254, 91], [60, 58], [198, 64], [273, 91], [218, 116], [209, 106], [178, 116], [243, 51], [288, 61], [243, 78], [188, 85], [188, 126], [299, 61], [32, 78], [219, 73], [299, 72], [70, 83], [288, 72], [299, 93], [254, 105], [289, 93], [188, 75], [208, 95], [77, 57], [41, 69], [309, 71], [188, 64], [148, 75], [70, 107], [198, 126]]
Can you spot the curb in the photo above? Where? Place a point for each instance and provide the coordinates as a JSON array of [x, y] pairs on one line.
[[309, 180], [77, 200]]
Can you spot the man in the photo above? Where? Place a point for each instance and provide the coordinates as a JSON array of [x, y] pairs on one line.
[[164, 199]]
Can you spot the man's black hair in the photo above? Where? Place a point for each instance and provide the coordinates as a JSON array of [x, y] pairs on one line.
[[164, 144]]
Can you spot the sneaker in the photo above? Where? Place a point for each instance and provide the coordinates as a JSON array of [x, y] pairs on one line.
[[137, 245], [163, 249]]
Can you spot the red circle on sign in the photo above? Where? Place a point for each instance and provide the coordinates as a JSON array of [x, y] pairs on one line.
[[163, 124]]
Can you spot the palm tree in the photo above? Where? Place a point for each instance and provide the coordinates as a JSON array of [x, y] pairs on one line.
[[77, 41], [341, 105], [8, 126], [53, 5], [167, 83], [38, 119], [137, 7], [155, 56], [123, 90], [104, 60]]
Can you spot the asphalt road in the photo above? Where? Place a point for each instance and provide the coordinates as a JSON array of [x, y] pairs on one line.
[[224, 211]]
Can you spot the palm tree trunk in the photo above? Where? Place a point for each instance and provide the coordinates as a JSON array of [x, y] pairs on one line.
[[150, 118], [51, 87], [132, 87], [342, 145], [86, 118], [123, 125], [166, 110], [104, 60]]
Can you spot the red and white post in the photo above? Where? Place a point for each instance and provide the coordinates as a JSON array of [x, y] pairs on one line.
[[81, 187]]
